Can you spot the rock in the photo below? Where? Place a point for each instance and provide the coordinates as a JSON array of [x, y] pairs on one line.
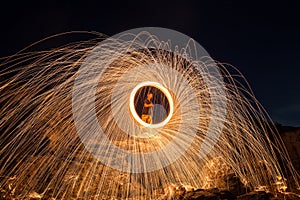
[[209, 194], [255, 195], [214, 194], [203, 194], [291, 139], [234, 184], [227, 195], [286, 196]]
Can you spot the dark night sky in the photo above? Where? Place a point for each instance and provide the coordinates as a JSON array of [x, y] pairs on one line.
[[261, 39]]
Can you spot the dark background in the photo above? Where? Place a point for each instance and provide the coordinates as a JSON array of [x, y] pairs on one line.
[[260, 38]]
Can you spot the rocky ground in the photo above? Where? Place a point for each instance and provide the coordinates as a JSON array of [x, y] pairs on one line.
[[216, 194], [235, 189], [291, 139]]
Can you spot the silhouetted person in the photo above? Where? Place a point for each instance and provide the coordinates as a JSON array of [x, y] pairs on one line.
[[147, 109]]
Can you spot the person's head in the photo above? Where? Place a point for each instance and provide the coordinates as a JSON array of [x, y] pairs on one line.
[[149, 95]]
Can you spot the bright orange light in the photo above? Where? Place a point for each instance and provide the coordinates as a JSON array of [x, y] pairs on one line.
[[134, 113]]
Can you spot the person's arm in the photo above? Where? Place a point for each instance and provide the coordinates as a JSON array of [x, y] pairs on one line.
[[147, 105]]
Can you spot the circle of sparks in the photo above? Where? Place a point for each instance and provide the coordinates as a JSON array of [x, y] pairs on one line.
[[134, 113], [91, 131]]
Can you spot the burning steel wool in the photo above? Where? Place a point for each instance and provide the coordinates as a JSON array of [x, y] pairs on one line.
[[74, 124]]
